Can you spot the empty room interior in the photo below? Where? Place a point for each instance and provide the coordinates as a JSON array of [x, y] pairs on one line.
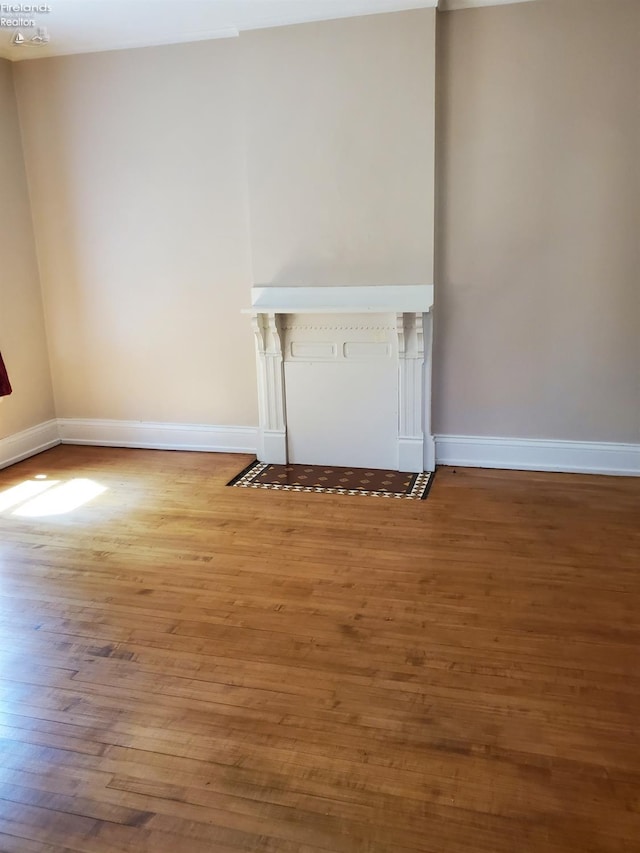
[[320, 426]]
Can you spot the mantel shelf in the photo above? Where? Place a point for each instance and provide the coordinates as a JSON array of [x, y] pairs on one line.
[[385, 299]]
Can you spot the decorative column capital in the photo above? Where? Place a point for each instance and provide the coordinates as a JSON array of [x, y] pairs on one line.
[[410, 331]]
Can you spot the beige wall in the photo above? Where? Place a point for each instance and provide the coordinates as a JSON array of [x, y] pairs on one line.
[[340, 130], [151, 225], [538, 224], [137, 172], [22, 332], [165, 180]]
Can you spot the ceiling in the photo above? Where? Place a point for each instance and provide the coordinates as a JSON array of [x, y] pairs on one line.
[[86, 26]]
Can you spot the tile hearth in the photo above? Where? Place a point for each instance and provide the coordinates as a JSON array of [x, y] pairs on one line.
[[335, 480]]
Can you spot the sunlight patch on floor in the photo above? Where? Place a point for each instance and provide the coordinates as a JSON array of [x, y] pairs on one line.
[[41, 497], [23, 492]]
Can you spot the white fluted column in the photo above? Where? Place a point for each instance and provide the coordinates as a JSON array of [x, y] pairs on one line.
[[272, 438], [415, 444]]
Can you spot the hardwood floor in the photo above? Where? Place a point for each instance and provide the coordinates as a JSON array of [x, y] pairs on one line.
[[188, 667]]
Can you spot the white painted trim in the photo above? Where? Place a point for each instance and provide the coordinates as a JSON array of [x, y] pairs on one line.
[[385, 299], [411, 365], [272, 446], [21, 445], [271, 304], [429, 453], [272, 434], [411, 454], [159, 436], [453, 5], [465, 451], [526, 454]]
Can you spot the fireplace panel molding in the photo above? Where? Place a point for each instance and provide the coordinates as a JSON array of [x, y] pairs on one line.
[[376, 338]]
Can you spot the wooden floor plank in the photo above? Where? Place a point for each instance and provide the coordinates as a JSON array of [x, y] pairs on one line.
[[189, 667]]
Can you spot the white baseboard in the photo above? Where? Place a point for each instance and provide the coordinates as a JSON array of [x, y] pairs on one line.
[[525, 454], [28, 442], [465, 451], [159, 436]]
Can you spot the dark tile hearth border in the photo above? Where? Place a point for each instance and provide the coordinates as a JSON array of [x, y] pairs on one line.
[[334, 480]]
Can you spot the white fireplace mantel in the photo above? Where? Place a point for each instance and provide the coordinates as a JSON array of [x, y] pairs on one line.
[[343, 300], [403, 316]]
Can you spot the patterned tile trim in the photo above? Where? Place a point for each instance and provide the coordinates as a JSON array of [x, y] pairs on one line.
[[246, 479]]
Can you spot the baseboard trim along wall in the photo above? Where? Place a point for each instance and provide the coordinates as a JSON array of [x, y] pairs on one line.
[[21, 445], [528, 454], [523, 454], [159, 436]]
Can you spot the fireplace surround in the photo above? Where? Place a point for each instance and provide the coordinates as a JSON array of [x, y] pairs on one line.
[[344, 375]]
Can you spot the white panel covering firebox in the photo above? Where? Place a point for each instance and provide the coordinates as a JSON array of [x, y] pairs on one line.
[[344, 375], [340, 376]]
